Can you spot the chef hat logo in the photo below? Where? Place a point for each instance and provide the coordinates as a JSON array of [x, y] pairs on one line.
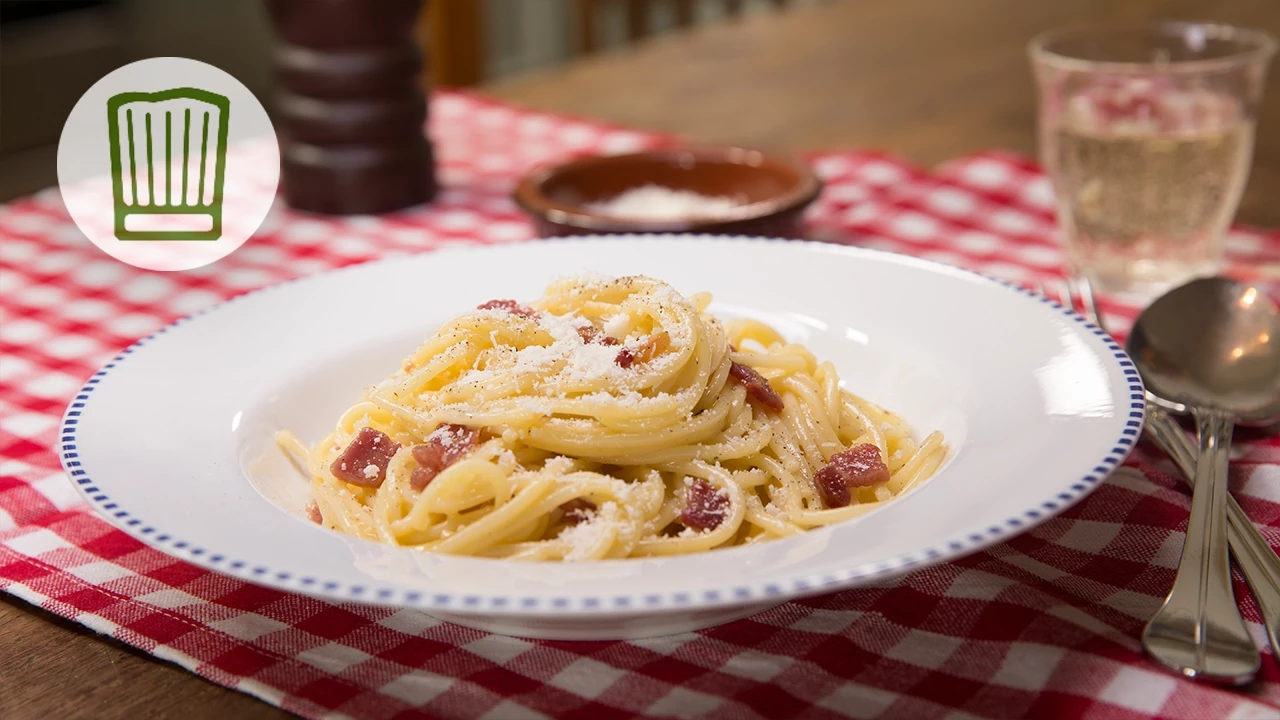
[[168, 163]]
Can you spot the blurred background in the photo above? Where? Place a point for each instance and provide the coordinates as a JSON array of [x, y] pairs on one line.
[[930, 79], [53, 50]]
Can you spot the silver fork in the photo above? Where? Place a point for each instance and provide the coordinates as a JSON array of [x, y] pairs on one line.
[[1252, 552]]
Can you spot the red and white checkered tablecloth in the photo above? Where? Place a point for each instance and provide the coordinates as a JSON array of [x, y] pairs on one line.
[[1045, 625]]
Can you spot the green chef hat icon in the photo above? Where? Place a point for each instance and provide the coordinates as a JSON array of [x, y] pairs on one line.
[[168, 161]]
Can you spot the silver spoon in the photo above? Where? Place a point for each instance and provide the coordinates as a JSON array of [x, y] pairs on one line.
[[1212, 345], [1250, 550]]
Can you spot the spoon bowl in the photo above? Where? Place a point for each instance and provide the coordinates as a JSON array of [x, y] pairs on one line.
[[1212, 343]]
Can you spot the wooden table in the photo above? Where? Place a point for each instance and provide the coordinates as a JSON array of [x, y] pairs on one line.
[[928, 79]]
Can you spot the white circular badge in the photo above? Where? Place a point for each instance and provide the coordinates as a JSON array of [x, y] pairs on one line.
[[168, 164]]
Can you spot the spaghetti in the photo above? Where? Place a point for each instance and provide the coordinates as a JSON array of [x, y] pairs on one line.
[[611, 418]]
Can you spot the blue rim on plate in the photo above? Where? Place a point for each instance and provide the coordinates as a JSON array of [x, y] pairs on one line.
[[171, 543]]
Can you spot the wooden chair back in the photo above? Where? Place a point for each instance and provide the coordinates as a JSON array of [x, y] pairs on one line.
[[453, 32]]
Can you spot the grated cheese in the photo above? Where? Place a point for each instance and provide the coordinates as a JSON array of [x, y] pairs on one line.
[[616, 325], [542, 407], [568, 361], [442, 435], [589, 532], [655, 202]]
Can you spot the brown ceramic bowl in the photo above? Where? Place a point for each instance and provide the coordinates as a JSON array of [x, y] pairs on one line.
[[774, 190]]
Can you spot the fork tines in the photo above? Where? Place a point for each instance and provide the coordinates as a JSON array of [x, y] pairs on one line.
[[1065, 292]]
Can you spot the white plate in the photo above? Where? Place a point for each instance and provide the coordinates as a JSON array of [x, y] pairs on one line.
[[172, 441]]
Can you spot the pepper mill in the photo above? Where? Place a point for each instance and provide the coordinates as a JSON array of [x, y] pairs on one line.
[[349, 111]]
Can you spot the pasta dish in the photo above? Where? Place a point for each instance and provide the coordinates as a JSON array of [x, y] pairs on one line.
[[610, 418]]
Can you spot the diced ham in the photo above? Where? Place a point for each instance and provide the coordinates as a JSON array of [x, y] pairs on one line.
[[652, 347], [577, 510], [859, 466], [593, 334], [705, 507], [758, 388], [445, 446], [364, 462], [510, 306], [313, 513], [422, 476]]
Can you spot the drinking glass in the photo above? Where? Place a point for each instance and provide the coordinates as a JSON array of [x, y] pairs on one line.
[[1147, 133]]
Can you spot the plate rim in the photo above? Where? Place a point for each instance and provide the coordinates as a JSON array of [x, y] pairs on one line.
[[779, 589]]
